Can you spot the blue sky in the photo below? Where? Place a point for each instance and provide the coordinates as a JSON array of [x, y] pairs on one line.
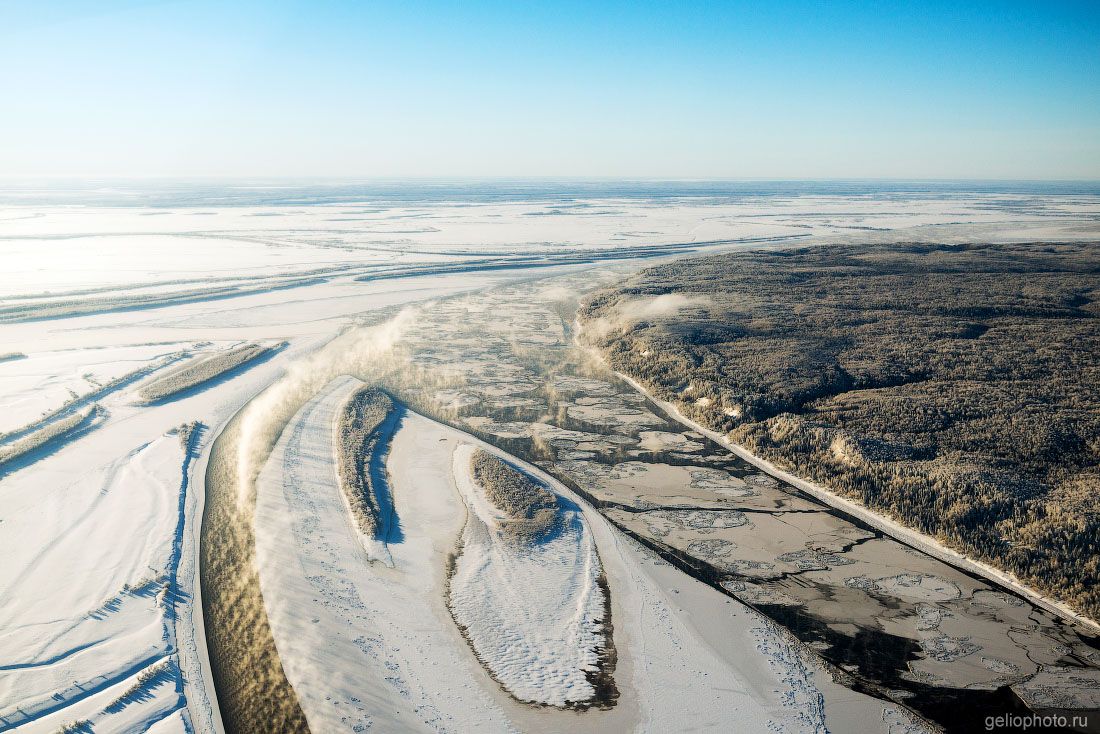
[[670, 90]]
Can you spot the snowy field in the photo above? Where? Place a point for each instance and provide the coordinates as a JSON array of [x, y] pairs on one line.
[[101, 623]]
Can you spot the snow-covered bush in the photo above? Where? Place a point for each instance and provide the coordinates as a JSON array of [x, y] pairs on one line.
[[199, 370], [358, 439], [532, 510]]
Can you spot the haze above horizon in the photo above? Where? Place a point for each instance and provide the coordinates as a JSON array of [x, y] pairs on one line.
[[136, 88]]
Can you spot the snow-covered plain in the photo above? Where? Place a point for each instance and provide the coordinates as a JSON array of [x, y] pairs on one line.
[[101, 251], [93, 530], [90, 616]]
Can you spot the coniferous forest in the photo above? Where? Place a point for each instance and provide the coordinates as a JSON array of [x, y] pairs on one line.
[[955, 388]]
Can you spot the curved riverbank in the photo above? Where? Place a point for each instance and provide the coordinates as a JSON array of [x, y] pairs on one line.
[[897, 531]]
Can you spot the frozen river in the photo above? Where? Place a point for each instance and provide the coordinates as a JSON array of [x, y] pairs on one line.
[[101, 612]]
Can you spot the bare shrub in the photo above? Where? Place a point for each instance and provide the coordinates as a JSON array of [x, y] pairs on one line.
[[155, 675], [185, 432]]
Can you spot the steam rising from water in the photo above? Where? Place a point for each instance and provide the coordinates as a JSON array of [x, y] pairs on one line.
[[364, 352], [369, 353], [627, 312]]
